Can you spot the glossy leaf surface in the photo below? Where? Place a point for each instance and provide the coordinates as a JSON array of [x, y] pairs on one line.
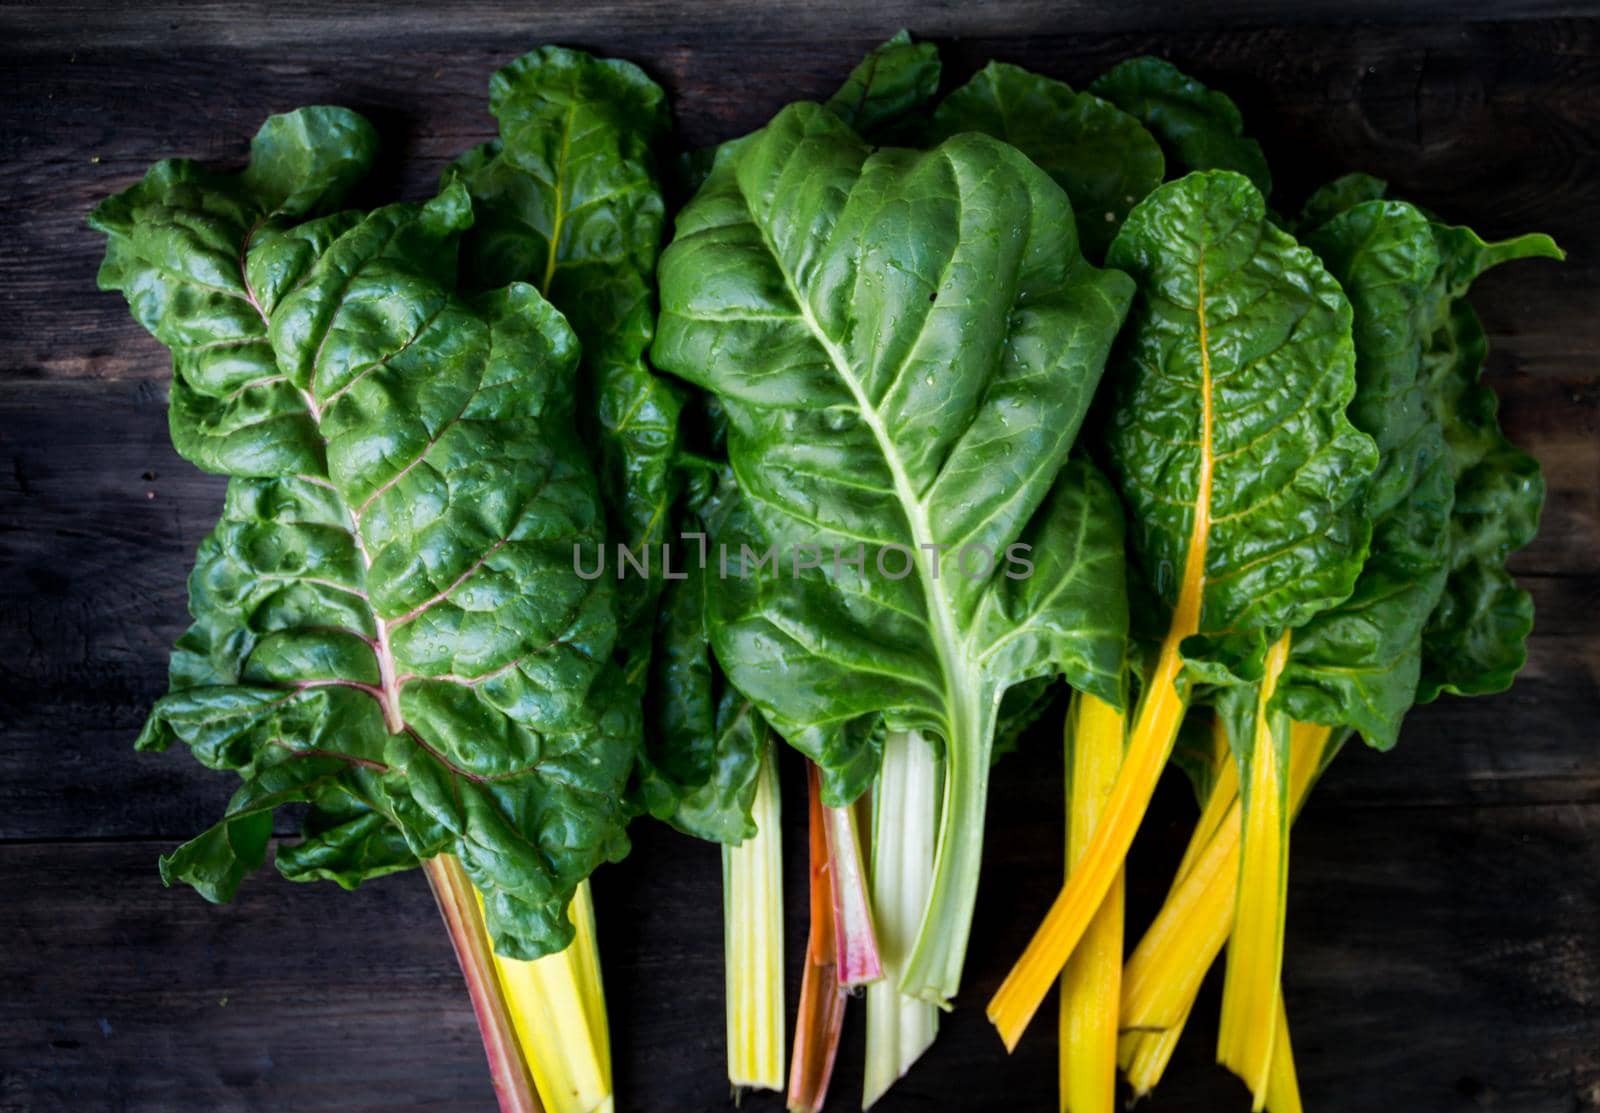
[[569, 199], [386, 619], [1357, 663], [1103, 157], [1199, 128], [1232, 398], [905, 344]]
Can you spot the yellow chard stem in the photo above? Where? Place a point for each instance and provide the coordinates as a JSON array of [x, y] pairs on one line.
[[1283, 1086], [1251, 989], [752, 934], [1143, 1056], [1162, 979], [1091, 980], [558, 1008], [1155, 729], [1165, 972]]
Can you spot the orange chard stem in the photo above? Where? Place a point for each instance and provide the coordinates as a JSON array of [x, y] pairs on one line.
[[820, 1019]]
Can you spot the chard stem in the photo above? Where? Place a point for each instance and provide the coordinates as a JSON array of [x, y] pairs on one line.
[[1091, 981], [752, 933], [822, 999], [904, 817], [1155, 730], [458, 905], [856, 957], [1283, 1085], [1163, 978], [558, 1010], [1251, 990], [933, 970]]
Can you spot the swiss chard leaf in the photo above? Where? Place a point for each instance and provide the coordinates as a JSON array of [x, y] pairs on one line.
[[1357, 663], [1476, 639], [905, 345], [1418, 351], [569, 199], [1244, 478], [1232, 398], [386, 616], [1199, 128], [1338, 195], [890, 84], [701, 761], [1103, 157]]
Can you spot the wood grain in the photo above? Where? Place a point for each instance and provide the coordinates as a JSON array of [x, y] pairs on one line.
[[1439, 959], [1487, 123], [1442, 952], [173, 25]]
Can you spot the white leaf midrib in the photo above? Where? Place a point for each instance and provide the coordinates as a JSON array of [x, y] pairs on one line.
[[949, 646]]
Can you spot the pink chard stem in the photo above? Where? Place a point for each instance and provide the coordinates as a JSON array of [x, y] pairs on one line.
[[458, 904], [855, 940]]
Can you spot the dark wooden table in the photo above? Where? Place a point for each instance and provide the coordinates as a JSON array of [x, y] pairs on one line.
[[1444, 933]]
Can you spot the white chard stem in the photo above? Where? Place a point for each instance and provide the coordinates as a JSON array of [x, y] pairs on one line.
[[904, 822]]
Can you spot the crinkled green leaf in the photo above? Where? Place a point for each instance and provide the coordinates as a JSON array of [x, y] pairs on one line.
[[576, 163], [346, 841], [1357, 663], [1227, 298], [905, 344], [890, 84], [702, 757], [1338, 195], [1103, 157], [174, 249], [387, 607], [569, 199], [1199, 128], [1476, 639], [215, 861]]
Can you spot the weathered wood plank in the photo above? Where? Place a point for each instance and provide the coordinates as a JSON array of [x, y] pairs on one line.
[[377, 24], [1415, 934], [1494, 125]]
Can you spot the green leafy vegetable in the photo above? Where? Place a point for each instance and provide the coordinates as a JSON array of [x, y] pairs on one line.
[[569, 199], [1357, 663], [888, 87], [1199, 128], [905, 345], [1233, 401], [434, 416], [1241, 475], [1103, 157], [386, 619], [1337, 196], [1475, 640], [705, 753]]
